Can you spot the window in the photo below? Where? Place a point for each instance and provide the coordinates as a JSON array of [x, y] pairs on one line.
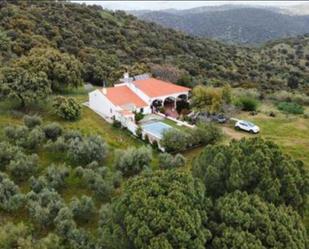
[[111, 110]]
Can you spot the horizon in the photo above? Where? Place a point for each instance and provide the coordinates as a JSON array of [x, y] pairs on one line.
[[181, 5]]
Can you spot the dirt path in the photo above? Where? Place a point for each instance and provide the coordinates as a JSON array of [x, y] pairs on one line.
[[232, 133]]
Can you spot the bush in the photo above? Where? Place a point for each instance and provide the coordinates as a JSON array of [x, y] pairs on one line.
[[52, 131], [139, 132], [60, 145], [35, 138], [116, 123], [67, 108], [87, 150], [133, 160], [138, 116], [7, 153], [247, 104], [32, 121], [290, 107], [204, 134], [168, 161], [83, 209], [23, 166], [10, 196], [174, 140]]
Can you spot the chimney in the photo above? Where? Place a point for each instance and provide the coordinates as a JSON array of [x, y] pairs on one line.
[[126, 78], [104, 88]]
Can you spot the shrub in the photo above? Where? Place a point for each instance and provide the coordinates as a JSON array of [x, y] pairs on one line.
[[87, 150], [83, 209], [72, 134], [23, 166], [138, 116], [290, 107], [247, 103], [204, 134], [168, 161], [32, 121], [174, 140], [116, 123], [35, 138], [7, 153], [155, 145], [133, 160], [52, 131], [139, 132], [67, 108], [10, 196], [60, 145]]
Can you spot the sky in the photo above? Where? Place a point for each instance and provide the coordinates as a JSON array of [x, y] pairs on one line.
[[159, 5]]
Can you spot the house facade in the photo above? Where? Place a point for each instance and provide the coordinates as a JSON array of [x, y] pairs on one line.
[[140, 94]]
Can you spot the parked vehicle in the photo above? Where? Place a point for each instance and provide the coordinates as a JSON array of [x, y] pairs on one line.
[[220, 118], [247, 126]]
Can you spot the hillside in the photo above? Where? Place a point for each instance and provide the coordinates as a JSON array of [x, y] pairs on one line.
[[241, 25], [108, 43]]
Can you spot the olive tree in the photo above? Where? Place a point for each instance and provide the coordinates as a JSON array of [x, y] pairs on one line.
[[168, 161], [10, 195], [43, 207], [52, 131], [174, 140], [83, 208], [23, 166], [32, 121], [133, 160], [7, 153], [87, 150]]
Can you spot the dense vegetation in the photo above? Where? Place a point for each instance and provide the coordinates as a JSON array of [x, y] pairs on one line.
[[64, 186], [239, 24], [96, 45], [235, 192]]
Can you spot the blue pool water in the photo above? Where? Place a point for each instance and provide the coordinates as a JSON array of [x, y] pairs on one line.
[[156, 129]]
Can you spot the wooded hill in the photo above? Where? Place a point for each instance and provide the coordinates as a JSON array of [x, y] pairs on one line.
[[108, 43], [237, 24]]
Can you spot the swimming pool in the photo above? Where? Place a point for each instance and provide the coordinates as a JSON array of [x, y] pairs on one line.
[[156, 129]]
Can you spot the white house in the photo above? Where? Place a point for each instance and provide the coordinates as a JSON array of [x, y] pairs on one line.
[[140, 95]]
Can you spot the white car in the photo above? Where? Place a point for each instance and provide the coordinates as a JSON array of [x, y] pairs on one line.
[[247, 126]]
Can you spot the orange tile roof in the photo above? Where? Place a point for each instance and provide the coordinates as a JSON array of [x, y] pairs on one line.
[[155, 88], [122, 95]]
